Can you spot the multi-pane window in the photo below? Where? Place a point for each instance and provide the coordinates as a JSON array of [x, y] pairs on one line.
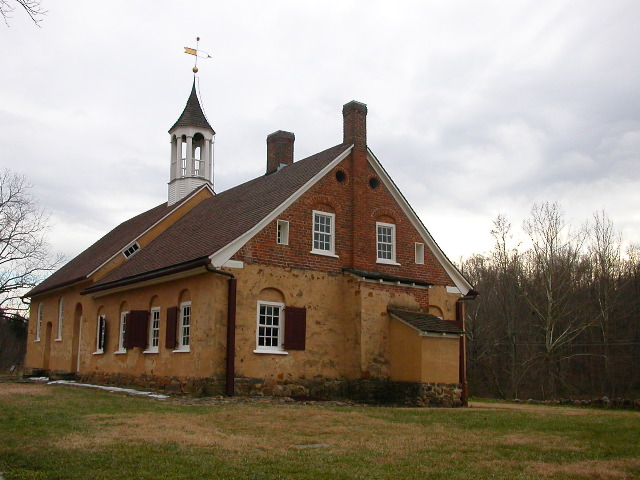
[[60, 317], [323, 235], [39, 323], [131, 250], [184, 332], [154, 330], [123, 328], [386, 240], [269, 328], [100, 333], [283, 232]]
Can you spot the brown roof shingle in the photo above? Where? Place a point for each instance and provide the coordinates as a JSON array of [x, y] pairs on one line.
[[98, 253], [426, 322], [217, 221], [192, 115]]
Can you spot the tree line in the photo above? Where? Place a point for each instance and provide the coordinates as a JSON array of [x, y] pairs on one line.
[[558, 313]]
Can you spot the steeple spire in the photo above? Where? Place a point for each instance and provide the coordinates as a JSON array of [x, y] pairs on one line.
[[191, 150]]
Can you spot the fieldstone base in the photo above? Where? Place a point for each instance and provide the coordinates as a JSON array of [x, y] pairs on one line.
[[370, 391]]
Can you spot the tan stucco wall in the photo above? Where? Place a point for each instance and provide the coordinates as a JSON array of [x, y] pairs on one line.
[[330, 340], [440, 359], [349, 332], [208, 293], [443, 301], [405, 352]]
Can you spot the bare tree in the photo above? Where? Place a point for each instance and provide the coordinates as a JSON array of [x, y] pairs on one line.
[[25, 257], [32, 7]]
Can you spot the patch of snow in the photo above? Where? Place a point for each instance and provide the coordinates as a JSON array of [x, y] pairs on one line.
[[39, 379], [130, 391]]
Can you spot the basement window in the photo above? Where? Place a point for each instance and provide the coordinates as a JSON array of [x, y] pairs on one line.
[[131, 249]]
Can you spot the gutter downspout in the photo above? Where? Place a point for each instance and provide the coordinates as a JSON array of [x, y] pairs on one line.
[[464, 396], [231, 330], [231, 338]]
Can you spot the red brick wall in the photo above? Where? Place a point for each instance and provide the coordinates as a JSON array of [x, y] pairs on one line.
[[357, 207]]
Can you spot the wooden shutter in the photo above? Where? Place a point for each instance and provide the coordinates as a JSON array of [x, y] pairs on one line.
[[295, 328], [135, 334], [172, 327]]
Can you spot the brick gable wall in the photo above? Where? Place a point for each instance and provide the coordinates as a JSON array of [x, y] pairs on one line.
[[354, 225]]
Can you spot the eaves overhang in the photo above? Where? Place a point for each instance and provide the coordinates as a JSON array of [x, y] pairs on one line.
[[381, 277]]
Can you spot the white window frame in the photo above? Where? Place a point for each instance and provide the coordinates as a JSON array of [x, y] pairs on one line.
[[154, 331], [131, 249], [39, 323], [100, 332], [282, 234], [331, 251], [60, 318], [392, 260], [279, 348], [184, 328], [121, 331], [419, 253]]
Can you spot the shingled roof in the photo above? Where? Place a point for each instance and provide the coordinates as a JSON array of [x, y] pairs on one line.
[[192, 115], [98, 253], [426, 322], [217, 221]]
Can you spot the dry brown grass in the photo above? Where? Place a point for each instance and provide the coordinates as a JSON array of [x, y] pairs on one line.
[[242, 429], [590, 469], [528, 407], [7, 388]]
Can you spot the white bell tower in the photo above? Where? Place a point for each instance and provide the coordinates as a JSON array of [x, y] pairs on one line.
[[192, 140]]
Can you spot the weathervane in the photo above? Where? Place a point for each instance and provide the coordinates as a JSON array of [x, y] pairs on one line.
[[196, 53]]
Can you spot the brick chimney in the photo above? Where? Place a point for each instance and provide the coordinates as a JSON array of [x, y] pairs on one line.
[[279, 150], [354, 116]]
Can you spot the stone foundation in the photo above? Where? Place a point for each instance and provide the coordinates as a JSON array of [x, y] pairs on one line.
[[370, 391]]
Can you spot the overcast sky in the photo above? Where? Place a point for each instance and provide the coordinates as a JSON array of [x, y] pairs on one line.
[[476, 108]]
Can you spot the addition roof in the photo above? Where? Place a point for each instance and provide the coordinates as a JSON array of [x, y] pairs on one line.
[[426, 322], [192, 115]]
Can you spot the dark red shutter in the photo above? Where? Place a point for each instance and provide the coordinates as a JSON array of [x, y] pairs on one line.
[[135, 334], [172, 327], [295, 328]]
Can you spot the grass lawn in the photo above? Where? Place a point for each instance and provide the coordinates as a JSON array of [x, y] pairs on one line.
[[66, 432]]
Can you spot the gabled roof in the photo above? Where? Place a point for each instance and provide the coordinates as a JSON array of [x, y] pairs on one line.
[[105, 248], [461, 283], [192, 115], [425, 322], [217, 222]]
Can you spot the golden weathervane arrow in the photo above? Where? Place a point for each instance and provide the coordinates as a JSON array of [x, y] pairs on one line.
[[196, 53]]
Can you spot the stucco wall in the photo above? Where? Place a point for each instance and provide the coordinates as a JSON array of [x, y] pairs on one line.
[[405, 353], [440, 360]]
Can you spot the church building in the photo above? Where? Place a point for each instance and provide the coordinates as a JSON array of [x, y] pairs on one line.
[[314, 280]]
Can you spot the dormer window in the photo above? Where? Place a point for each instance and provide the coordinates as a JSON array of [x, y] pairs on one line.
[[131, 249]]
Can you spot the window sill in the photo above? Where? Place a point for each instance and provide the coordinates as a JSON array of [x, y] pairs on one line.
[[120, 352], [273, 352], [58, 340], [36, 341], [387, 262], [99, 353], [181, 350], [324, 253], [150, 351]]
